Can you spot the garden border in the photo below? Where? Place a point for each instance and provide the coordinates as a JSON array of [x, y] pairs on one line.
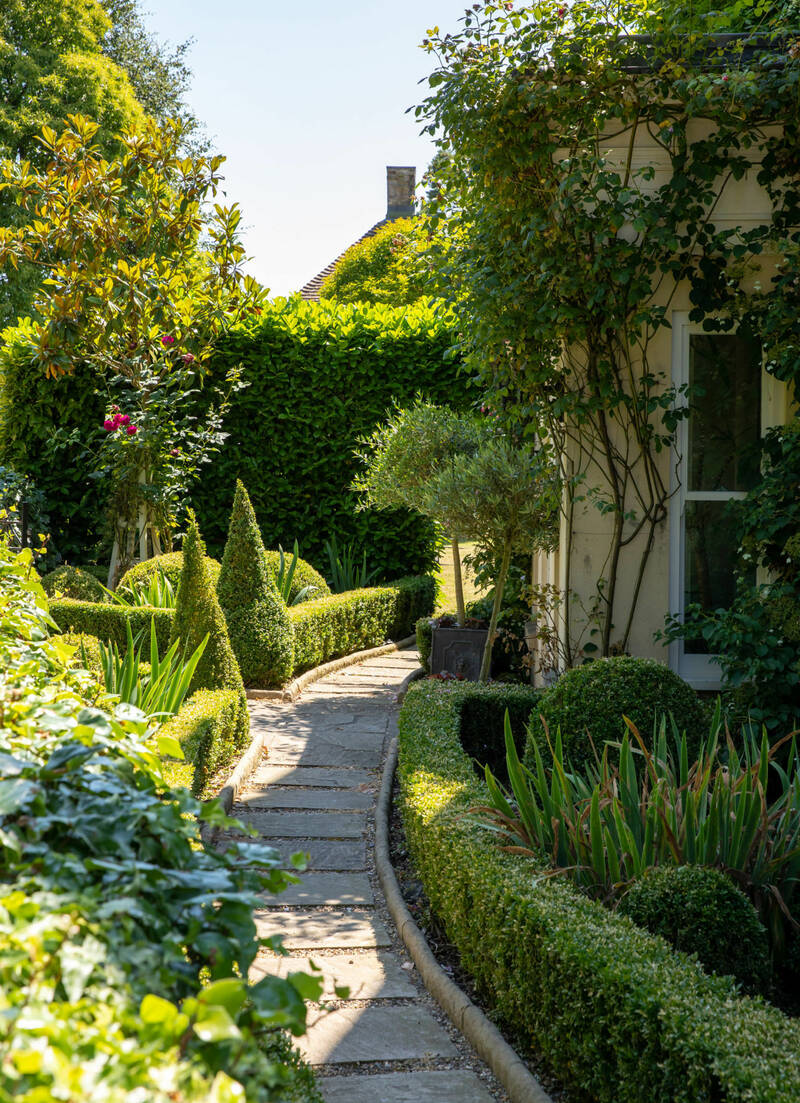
[[249, 760], [509, 1068]]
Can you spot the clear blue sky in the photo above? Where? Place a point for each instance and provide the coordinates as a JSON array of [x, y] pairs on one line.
[[307, 100]]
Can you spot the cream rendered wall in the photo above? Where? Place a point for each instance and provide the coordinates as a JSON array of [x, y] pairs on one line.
[[743, 203]]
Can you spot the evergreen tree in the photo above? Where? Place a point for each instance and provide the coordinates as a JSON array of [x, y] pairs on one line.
[[197, 613], [260, 629]]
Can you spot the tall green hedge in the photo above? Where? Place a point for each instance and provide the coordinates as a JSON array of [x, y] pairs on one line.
[[45, 427], [618, 1014], [320, 375]]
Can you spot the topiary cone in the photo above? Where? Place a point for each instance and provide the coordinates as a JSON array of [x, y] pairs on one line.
[[197, 612], [260, 629]]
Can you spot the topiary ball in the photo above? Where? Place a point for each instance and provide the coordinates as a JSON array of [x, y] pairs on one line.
[[700, 911], [170, 564], [73, 583], [304, 575], [595, 698]]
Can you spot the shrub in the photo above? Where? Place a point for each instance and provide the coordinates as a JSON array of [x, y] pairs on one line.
[[327, 374], [481, 723], [258, 622], [343, 623], [74, 583], [198, 613], [595, 697], [109, 622], [613, 1010], [170, 564], [211, 727], [700, 911], [123, 940]]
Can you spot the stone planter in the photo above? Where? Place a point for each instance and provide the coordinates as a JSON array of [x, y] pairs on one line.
[[458, 651]]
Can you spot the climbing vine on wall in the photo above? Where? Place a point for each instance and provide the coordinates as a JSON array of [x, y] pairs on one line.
[[565, 254]]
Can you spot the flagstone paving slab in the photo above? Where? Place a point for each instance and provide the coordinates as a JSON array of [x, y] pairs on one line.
[[322, 752], [330, 930], [369, 975], [344, 800], [345, 890], [400, 1033], [450, 1086], [314, 825], [312, 776]]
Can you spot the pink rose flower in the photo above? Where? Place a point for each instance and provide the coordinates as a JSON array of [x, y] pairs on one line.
[[109, 425], [167, 339], [130, 430], [174, 451], [188, 358], [124, 420]]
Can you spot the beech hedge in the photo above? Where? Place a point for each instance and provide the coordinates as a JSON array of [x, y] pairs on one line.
[[342, 623], [321, 375], [618, 1015]]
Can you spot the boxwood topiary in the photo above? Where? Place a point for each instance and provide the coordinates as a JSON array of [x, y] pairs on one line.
[[701, 911], [258, 622], [197, 613], [73, 583], [304, 575], [595, 698], [170, 564]]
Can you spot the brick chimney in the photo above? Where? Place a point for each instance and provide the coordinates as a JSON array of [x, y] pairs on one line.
[[401, 180]]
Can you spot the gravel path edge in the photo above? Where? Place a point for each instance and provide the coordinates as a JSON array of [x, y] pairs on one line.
[[509, 1068]]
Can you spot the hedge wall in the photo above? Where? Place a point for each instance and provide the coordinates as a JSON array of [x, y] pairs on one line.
[[211, 727], [321, 375], [107, 621], [342, 623], [618, 1014]]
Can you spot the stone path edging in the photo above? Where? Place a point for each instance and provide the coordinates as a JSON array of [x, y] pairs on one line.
[[252, 756], [293, 690], [484, 1036]]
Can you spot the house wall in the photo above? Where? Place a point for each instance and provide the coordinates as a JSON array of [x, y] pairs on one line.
[[742, 203]]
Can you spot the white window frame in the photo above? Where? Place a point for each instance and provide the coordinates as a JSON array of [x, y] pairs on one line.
[[700, 671]]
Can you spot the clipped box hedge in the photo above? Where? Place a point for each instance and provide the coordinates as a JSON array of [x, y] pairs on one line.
[[342, 623], [619, 1016], [212, 727], [107, 621]]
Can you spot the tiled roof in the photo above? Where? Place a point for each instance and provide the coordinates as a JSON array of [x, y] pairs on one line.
[[310, 291]]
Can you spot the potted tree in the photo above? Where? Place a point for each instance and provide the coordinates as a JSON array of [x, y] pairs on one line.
[[506, 498], [403, 454]]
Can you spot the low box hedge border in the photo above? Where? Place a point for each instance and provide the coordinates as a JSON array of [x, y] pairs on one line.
[[342, 623], [107, 621], [212, 727], [619, 1015]]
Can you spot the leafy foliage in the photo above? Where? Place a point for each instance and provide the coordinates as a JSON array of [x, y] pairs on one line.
[[197, 615], [380, 269], [284, 579], [564, 249], [321, 377], [656, 1026], [594, 698], [346, 571], [160, 690], [170, 565], [700, 911], [133, 291], [258, 623], [156, 592], [211, 728], [118, 984], [610, 823]]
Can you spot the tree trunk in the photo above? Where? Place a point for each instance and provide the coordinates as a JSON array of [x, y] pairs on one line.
[[499, 586], [461, 612]]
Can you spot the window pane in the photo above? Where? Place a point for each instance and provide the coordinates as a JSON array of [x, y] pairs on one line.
[[711, 546], [725, 422]]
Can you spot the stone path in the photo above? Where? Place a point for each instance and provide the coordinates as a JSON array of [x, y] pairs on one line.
[[316, 791]]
